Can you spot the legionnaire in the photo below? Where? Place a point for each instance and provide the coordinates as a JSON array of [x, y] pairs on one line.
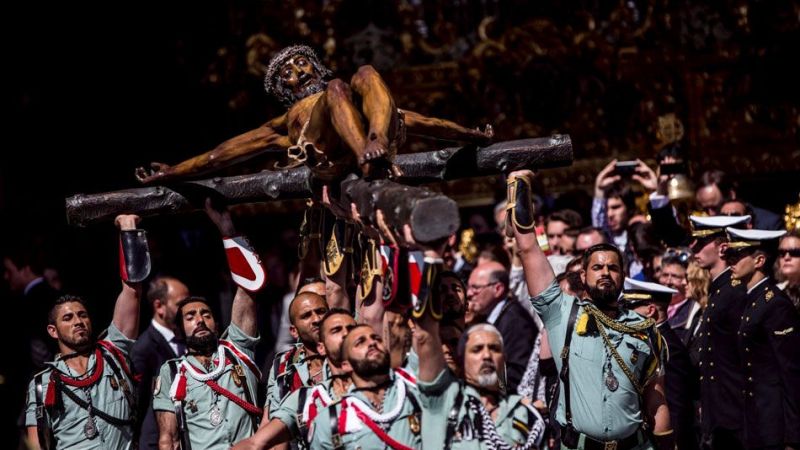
[[85, 398], [298, 409], [680, 376], [206, 399], [720, 368], [476, 412], [769, 344], [382, 408], [612, 391], [303, 364]]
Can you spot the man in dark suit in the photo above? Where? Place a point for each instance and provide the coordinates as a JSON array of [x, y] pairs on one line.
[[157, 344], [23, 270], [715, 187], [487, 293], [680, 377]]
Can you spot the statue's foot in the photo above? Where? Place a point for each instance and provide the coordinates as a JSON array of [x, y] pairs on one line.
[[375, 149]]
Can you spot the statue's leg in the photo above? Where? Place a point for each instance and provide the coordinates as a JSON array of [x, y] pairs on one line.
[[379, 110], [335, 107]]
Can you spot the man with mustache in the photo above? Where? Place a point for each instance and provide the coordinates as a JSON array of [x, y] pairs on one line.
[[769, 343], [330, 125], [85, 397], [480, 413], [206, 399], [291, 418], [381, 409], [612, 391], [303, 364]]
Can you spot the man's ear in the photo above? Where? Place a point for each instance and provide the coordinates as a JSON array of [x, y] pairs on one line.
[[583, 277], [321, 349], [760, 260], [293, 332], [346, 366], [51, 330]]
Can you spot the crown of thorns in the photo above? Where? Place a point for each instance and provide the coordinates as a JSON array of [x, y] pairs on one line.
[[284, 55]]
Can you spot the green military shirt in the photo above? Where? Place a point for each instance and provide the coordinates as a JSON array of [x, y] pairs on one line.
[[405, 428], [515, 420], [67, 420], [292, 361], [291, 412], [596, 410], [200, 400]]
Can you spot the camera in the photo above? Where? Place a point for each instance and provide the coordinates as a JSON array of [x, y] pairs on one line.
[[673, 168], [625, 168]]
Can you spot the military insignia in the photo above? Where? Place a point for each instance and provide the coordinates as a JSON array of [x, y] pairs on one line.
[[192, 405], [413, 424], [769, 295], [113, 382], [157, 385], [237, 375], [519, 425], [784, 332], [735, 282]]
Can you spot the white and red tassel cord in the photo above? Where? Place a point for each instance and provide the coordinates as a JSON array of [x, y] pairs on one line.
[[177, 390], [244, 263]]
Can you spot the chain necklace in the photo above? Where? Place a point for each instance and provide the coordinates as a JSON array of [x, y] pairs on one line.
[[90, 428], [611, 380]]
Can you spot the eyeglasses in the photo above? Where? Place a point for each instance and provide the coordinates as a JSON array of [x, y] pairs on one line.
[[793, 252], [479, 287], [683, 255]]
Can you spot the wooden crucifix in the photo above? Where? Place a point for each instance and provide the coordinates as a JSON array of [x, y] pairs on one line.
[[343, 136]]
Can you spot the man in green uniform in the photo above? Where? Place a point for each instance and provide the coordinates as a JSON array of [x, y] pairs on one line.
[[301, 365], [292, 417], [206, 398], [85, 397], [381, 409], [474, 413], [612, 393]]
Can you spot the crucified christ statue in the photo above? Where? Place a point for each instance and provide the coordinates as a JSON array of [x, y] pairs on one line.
[[329, 125]]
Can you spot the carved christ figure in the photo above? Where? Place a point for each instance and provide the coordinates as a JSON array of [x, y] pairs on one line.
[[329, 125]]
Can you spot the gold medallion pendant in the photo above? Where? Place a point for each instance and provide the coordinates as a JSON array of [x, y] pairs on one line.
[[413, 424]]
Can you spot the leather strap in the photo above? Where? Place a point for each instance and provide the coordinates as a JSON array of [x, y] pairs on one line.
[[336, 438], [42, 424], [564, 376], [452, 417], [180, 413]]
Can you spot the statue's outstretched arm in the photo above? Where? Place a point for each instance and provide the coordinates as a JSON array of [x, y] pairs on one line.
[[432, 127], [245, 146]]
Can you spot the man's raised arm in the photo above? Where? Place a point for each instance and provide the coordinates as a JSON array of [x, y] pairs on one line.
[[520, 217], [134, 267], [246, 269]]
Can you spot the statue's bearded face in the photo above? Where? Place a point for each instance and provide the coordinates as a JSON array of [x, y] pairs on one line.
[[298, 78]]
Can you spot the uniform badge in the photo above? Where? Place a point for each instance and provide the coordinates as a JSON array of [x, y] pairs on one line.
[[114, 384], [735, 282], [413, 424], [769, 295], [237, 375], [157, 385]]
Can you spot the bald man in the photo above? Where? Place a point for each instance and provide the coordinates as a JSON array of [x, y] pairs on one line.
[[302, 364], [487, 295]]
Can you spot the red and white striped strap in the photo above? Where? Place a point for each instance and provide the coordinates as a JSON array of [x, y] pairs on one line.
[[242, 357], [246, 268]]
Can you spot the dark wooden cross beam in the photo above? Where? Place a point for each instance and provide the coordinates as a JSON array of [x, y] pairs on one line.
[[431, 215]]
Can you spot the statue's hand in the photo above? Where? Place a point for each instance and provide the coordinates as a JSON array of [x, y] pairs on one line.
[[487, 132], [157, 171]]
